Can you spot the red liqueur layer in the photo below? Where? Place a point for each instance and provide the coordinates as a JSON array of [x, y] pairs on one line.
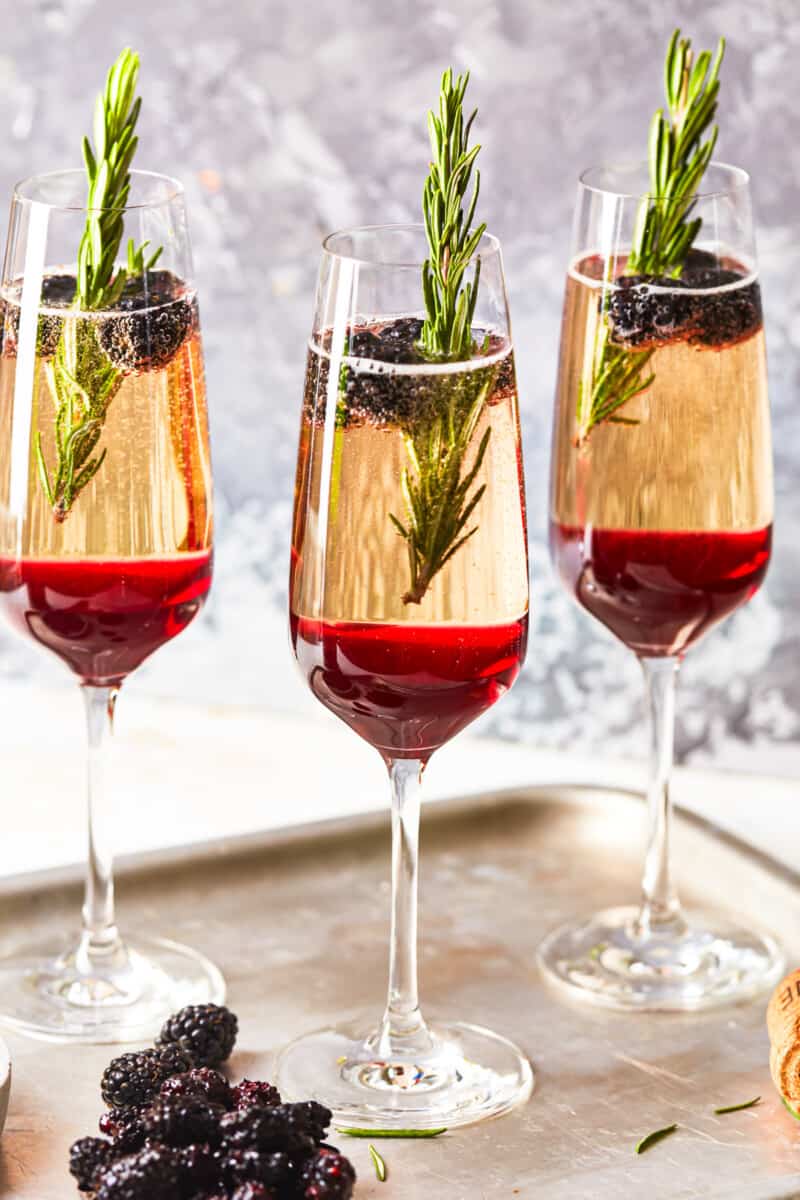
[[407, 689], [660, 591], [104, 617]]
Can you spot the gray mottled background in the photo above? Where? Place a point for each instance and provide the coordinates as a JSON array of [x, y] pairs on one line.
[[286, 119]]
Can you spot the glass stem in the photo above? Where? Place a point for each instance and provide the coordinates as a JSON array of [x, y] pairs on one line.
[[403, 1030], [661, 910], [100, 937]]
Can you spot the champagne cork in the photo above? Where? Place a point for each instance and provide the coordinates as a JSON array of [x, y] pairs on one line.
[[783, 1027]]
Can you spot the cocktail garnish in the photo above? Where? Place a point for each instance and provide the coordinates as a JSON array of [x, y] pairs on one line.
[[665, 229], [436, 484], [81, 378]]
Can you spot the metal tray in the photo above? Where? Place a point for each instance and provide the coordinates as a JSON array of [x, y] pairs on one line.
[[298, 923]]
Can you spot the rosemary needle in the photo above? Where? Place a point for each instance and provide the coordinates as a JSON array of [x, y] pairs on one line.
[[731, 1108], [656, 1136], [380, 1165], [792, 1111], [390, 1133]]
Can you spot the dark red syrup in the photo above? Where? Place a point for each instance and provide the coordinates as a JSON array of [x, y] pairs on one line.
[[407, 689], [659, 592], [104, 617]]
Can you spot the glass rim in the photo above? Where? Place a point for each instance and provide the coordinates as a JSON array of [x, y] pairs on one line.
[[493, 244], [738, 176], [174, 191]]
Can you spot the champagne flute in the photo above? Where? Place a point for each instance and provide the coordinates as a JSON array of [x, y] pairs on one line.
[[406, 648], [661, 526], [105, 544]]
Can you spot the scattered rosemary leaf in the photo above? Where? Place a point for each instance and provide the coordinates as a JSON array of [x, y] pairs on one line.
[[390, 1133], [790, 1109], [380, 1165], [737, 1107], [651, 1138]]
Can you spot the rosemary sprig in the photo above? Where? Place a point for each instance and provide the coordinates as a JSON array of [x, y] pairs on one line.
[[379, 1164], [81, 379], [664, 230], [732, 1108], [449, 300], [650, 1139], [436, 484], [677, 159]]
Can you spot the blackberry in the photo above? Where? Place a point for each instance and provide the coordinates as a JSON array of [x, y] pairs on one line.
[[202, 1081], [316, 1117], [182, 1120], [132, 1079], [152, 1174], [327, 1176], [135, 1078], [124, 1127], [393, 342], [241, 1166], [376, 394], [298, 1128], [641, 315], [252, 1191], [175, 1060], [254, 1093], [198, 1168], [58, 291], [150, 323], [87, 1158], [205, 1031], [724, 317]]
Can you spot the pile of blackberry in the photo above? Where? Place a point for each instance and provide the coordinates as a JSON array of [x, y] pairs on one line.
[[177, 1129], [642, 314], [149, 323], [58, 291], [145, 330], [375, 393]]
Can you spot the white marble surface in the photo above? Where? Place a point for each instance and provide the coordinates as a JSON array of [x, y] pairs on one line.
[[185, 774]]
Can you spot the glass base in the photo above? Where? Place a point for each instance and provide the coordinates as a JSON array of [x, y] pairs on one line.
[[467, 1074], [710, 962], [123, 994]]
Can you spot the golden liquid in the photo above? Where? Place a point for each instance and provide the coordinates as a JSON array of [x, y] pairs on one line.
[[152, 494], [349, 562], [700, 456]]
